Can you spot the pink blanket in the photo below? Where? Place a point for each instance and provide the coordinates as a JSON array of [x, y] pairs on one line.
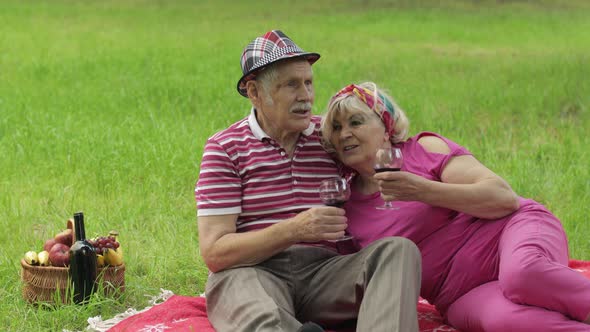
[[186, 313]]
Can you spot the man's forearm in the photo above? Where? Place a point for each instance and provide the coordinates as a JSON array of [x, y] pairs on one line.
[[249, 248]]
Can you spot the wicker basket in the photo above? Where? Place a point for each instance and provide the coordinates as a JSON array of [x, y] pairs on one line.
[[51, 284]]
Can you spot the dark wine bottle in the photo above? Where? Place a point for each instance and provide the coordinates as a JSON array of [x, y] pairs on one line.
[[82, 263]]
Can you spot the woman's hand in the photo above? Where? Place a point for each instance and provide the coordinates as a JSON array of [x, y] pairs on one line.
[[465, 185], [401, 186]]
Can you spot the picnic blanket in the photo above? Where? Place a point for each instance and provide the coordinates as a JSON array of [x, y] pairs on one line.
[[189, 313]]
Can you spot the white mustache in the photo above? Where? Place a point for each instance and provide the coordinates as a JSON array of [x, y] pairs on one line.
[[301, 107]]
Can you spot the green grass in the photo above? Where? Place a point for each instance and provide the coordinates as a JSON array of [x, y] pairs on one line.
[[105, 107]]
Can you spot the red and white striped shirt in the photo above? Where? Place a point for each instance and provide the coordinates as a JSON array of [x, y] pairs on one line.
[[245, 172]]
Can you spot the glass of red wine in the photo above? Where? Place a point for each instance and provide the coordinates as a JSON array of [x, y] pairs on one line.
[[388, 160], [335, 192]]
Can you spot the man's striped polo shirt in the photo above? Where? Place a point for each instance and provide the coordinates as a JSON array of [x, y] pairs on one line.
[[245, 172]]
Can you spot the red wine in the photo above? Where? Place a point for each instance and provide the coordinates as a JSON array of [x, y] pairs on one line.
[[82, 263], [335, 202], [387, 169]]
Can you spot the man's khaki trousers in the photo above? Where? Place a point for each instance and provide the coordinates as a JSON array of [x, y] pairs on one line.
[[378, 286]]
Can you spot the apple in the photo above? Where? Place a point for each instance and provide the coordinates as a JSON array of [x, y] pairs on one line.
[[64, 237], [48, 244], [59, 255]]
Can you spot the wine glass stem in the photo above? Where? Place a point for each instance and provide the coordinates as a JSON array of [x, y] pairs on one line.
[[388, 205]]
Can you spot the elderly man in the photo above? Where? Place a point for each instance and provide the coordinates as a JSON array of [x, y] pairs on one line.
[[263, 233]]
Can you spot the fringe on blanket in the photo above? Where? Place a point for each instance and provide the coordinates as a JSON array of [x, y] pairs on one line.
[[97, 324]]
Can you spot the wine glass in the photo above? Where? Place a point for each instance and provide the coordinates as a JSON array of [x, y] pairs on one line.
[[388, 160], [335, 192]]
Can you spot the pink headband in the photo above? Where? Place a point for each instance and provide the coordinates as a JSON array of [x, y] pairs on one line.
[[383, 107]]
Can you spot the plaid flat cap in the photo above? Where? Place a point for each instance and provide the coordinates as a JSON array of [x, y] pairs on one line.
[[273, 46]]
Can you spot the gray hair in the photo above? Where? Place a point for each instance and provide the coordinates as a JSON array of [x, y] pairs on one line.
[[267, 76]]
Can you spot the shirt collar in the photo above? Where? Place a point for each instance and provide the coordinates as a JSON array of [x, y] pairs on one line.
[[260, 134]]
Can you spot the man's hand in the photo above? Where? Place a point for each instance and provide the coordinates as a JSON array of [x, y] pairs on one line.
[[318, 224]]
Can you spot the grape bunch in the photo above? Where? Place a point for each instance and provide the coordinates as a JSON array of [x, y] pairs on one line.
[[102, 243]]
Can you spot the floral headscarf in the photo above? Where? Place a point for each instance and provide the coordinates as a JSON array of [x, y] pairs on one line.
[[383, 107]]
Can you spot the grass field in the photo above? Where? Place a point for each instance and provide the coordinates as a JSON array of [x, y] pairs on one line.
[[105, 107]]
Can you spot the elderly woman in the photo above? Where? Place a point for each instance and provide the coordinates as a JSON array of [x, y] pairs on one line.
[[492, 261]]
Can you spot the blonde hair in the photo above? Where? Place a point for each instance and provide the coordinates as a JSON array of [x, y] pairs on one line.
[[340, 104]]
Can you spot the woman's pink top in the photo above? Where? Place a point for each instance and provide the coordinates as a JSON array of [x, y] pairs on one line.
[[459, 251]]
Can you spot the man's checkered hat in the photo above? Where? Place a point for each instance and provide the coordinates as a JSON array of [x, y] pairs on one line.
[[262, 51]]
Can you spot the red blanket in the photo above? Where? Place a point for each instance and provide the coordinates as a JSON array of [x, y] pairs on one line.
[[186, 313]]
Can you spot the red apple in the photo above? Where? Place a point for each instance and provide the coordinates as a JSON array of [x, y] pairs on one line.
[[48, 244], [64, 237], [59, 255]]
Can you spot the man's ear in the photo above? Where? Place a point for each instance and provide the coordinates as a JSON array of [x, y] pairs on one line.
[[254, 94]]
